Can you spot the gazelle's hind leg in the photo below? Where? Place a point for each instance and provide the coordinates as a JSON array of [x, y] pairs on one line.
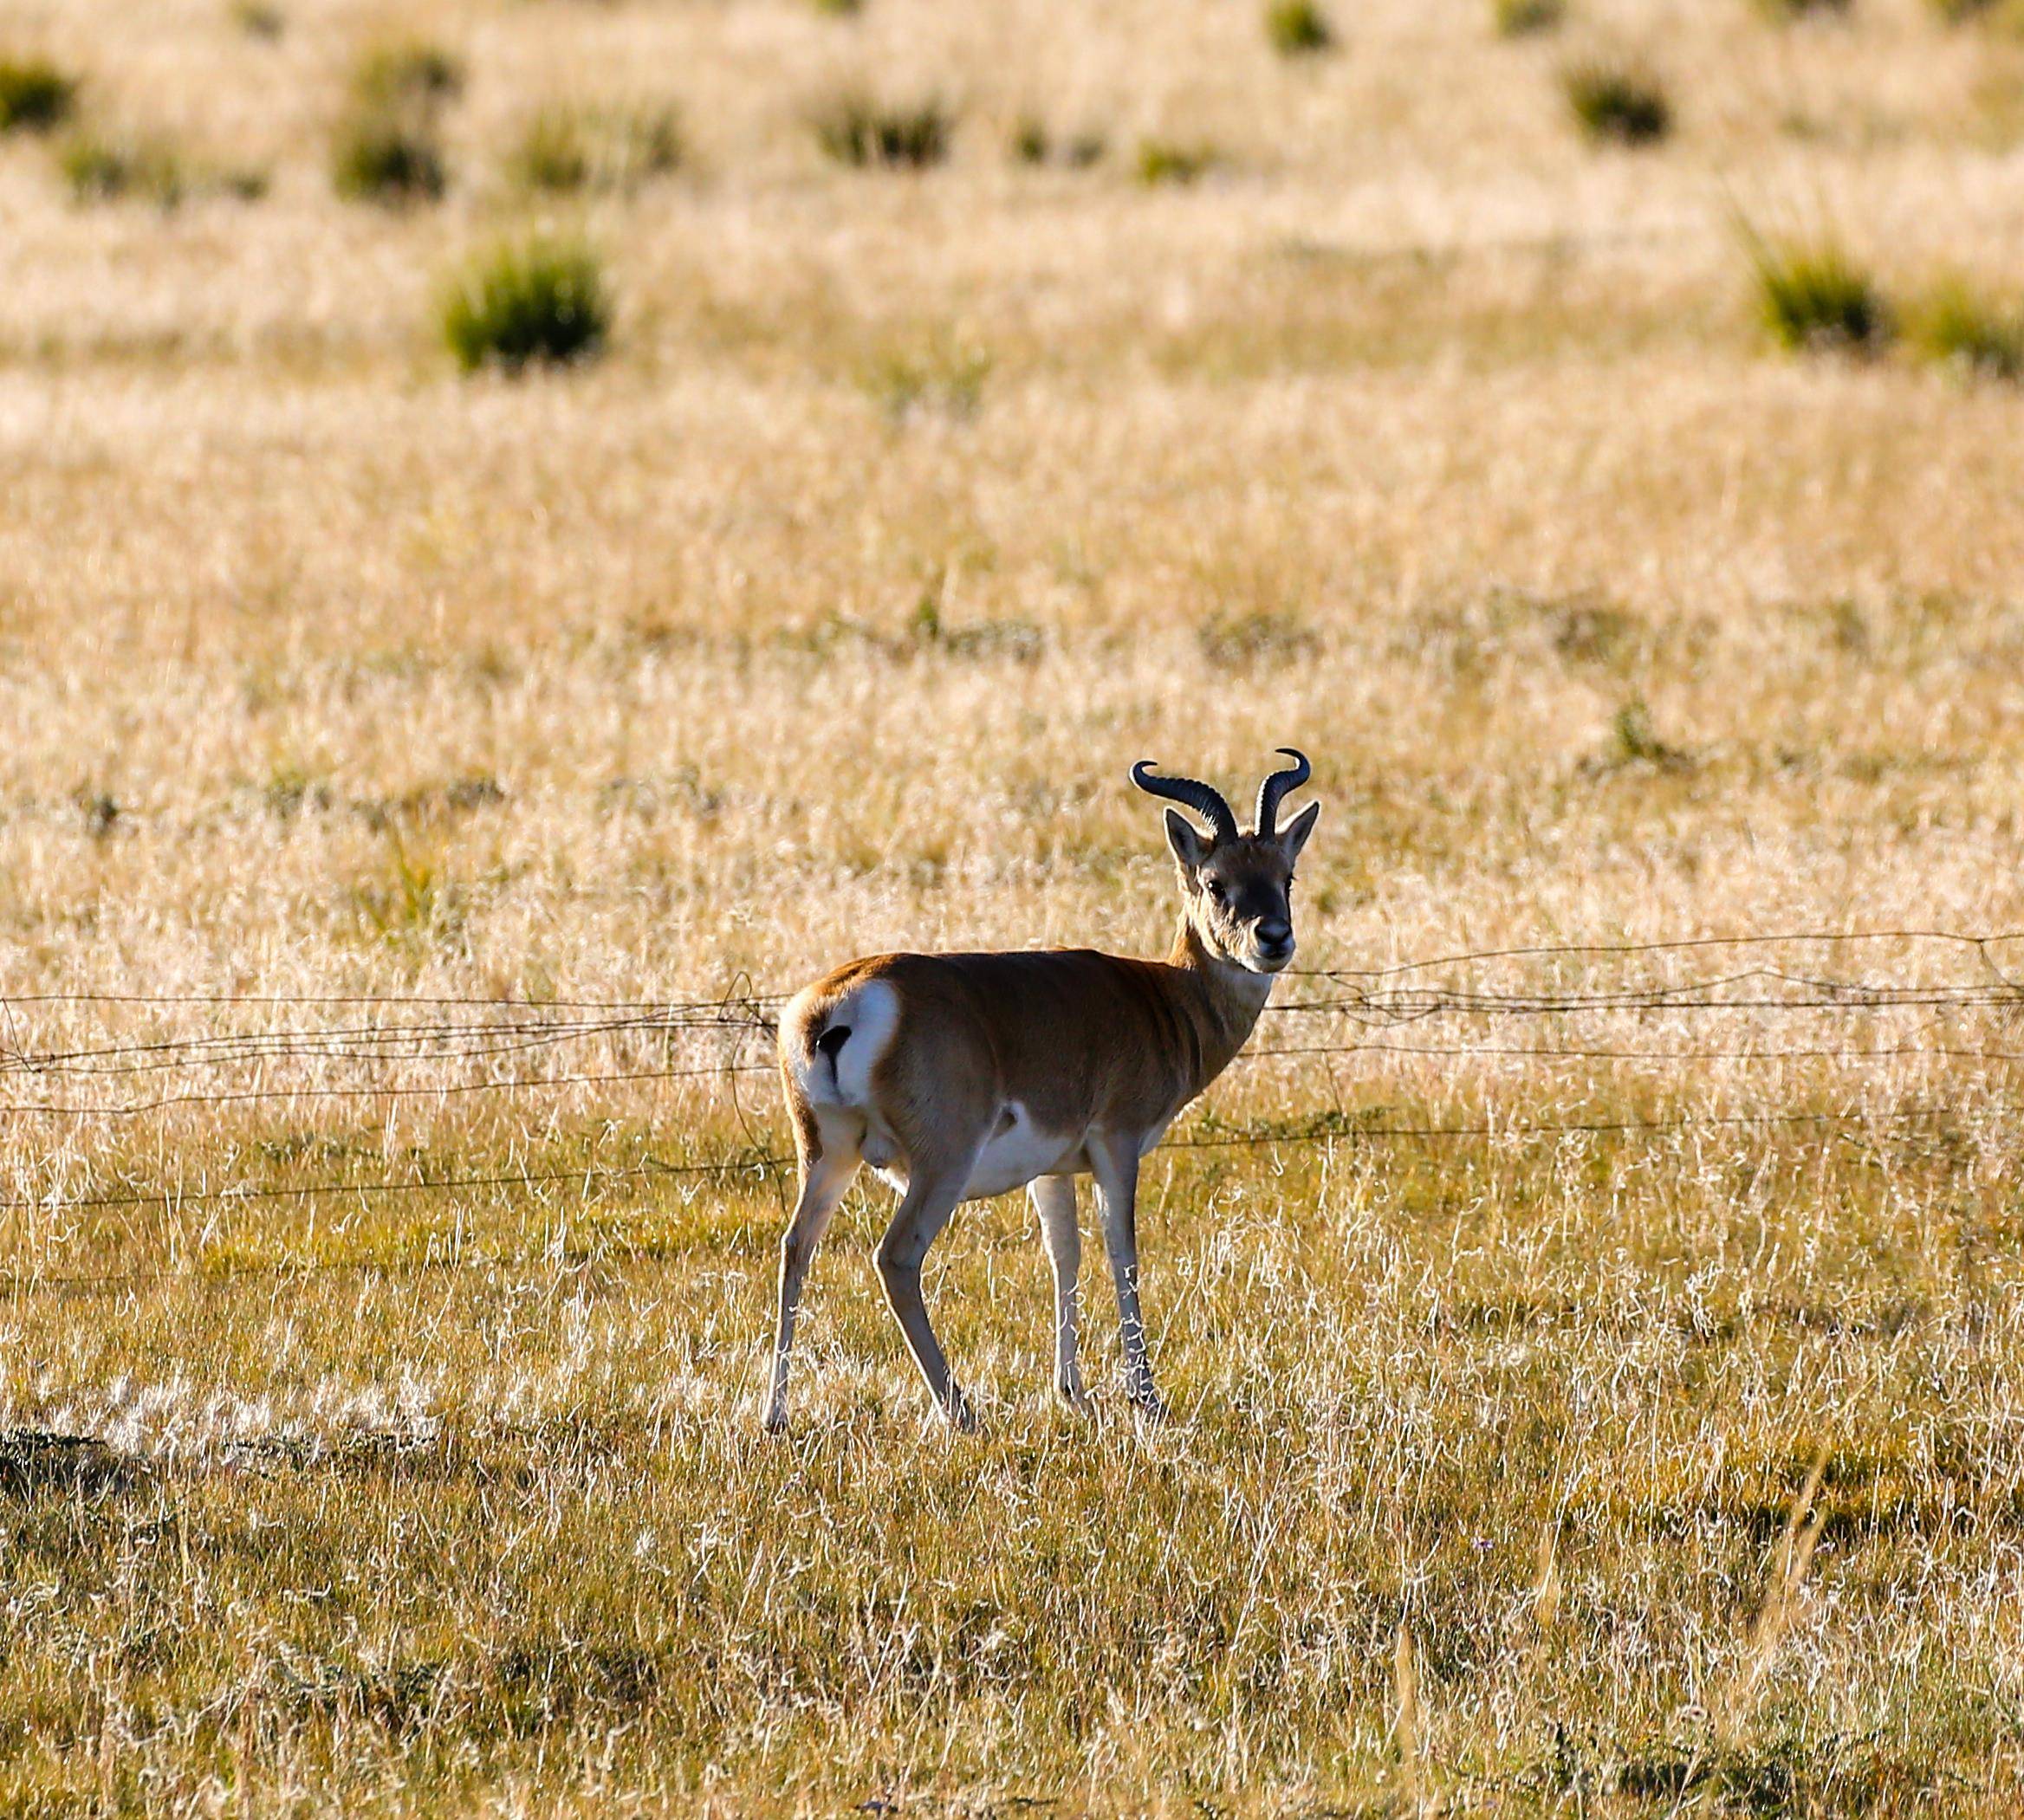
[[931, 1196], [1054, 1200], [829, 1159]]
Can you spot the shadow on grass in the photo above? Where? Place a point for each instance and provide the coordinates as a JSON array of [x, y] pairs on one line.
[[34, 1462]]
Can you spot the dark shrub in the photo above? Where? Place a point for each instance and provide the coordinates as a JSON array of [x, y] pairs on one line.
[[539, 300], [1297, 28], [858, 131], [1618, 102], [35, 95], [1815, 297]]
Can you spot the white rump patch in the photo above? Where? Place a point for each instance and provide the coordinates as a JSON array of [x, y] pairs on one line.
[[871, 1014]]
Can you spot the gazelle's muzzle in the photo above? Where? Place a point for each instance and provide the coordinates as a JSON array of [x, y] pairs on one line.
[[1271, 944]]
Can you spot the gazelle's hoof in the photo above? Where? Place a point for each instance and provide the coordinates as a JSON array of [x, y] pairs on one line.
[[773, 1420], [961, 1417], [1151, 1407], [1074, 1398]]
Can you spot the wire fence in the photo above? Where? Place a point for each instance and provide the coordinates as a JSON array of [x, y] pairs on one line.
[[401, 1034], [1376, 998]]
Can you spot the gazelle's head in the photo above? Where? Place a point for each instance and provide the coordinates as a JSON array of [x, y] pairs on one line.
[[1236, 888]]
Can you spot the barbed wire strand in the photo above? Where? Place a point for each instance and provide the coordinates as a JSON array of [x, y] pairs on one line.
[[712, 1071], [453, 1043]]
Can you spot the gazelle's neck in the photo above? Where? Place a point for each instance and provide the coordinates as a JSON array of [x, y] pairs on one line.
[[1231, 998]]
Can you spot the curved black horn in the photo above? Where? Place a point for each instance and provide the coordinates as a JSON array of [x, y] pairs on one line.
[[1204, 801], [1274, 789]]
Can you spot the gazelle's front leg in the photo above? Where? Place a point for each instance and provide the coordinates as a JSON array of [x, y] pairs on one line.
[[1116, 1167], [1054, 1200]]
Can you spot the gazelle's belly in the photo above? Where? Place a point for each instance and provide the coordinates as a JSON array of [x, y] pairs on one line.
[[1017, 1151]]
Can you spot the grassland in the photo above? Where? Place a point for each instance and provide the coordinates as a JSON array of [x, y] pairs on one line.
[[341, 692]]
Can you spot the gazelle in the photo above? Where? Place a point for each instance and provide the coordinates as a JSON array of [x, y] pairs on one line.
[[957, 1077]]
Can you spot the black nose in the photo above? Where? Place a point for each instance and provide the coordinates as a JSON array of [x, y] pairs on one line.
[[1274, 934]]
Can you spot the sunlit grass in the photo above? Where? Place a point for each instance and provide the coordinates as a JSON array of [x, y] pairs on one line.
[[1607, 1412]]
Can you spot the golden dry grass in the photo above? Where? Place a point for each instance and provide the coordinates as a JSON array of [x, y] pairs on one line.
[[823, 614]]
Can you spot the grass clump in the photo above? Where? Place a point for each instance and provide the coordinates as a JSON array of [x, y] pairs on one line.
[[1032, 144], [858, 131], [259, 18], [388, 148], [945, 376], [1166, 161], [1958, 326], [553, 152], [409, 75], [1815, 298], [103, 169], [1522, 18], [1618, 102], [1297, 28], [35, 95], [539, 300], [1788, 12], [1960, 12], [380, 158], [565, 149]]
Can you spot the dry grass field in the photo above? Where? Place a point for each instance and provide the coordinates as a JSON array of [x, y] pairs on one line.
[[1599, 1371]]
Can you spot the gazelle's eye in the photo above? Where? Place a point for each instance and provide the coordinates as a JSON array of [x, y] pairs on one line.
[[1214, 887]]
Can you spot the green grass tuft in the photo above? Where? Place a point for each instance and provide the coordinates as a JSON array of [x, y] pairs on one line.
[[1166, 161], [259, 18], [35, 95], [858, 131], [1522, 18], [553, 152], [943, 377], [542, 299], [1789, 12], [388, 147], [404, 74], [1297, 28], [98, 168], [1620, 102], [1815, 298], [1957, 325], [1032, 144], [378, 158], [565, 149]]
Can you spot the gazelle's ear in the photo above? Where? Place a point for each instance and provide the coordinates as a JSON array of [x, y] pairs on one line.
[[1294, 836], [1190, 846]]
